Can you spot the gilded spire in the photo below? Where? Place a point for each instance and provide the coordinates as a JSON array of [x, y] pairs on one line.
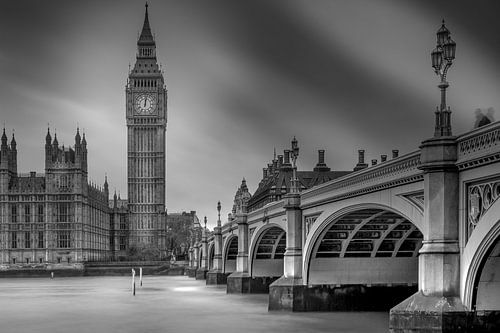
[[146, 37]]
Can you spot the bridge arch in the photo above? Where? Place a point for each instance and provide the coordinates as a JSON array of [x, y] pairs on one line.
[[354, 243], [200, 256], [480, 288], [230, 253], [266, 251], [211, 255]]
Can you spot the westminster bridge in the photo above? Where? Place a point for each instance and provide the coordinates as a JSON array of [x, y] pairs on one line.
[[418, 234]]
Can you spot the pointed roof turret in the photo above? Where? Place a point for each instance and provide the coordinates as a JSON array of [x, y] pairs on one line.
[[84, 142], [106, 186], [146, 37], [77, 136], [55, 142], [4, 138], [13, 142], [48, 138]]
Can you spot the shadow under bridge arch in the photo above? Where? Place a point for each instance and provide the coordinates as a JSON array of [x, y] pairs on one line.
[[267, 251], [230, 253], [211, 255], [373, 248]]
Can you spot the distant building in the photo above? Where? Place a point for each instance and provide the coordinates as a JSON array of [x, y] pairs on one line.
[[56, 217], [183, 229], [276, 179], [119, 240]]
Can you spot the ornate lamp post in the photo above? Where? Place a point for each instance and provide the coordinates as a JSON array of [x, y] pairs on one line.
[[218, 212], [294, 154], [442, 58]]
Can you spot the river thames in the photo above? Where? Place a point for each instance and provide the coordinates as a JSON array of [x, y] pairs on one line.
[[162, 304]]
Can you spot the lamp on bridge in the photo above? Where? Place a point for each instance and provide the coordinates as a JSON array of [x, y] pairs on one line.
[[294, 154], [218, 211], [442, 58]]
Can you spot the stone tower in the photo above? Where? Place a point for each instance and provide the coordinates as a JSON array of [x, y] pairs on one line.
[[146, 112]]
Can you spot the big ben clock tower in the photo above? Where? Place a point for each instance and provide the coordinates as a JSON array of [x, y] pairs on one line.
[[146, 104]]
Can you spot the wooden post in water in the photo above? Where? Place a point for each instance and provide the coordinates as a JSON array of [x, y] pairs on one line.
[[133, 281], [140, 275]]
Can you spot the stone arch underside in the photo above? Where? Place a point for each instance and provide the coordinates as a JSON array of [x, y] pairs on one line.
[[487, 285], [267, 255], [480, 264], [368, 246], [200, 256], [211, 254], [230, 254]]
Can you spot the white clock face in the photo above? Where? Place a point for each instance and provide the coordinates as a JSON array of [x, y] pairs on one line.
[[145, 104]]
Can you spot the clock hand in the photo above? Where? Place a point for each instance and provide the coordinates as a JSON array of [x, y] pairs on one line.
[[145, 102]]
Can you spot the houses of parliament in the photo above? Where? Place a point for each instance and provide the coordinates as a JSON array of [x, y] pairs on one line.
[[60, 217]]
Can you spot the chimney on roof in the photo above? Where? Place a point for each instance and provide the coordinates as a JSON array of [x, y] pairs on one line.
[[287, 166], [374, 162], [321, 166], [287, 157], [361, 161], [269, 169], [395, 153], [264, 173], [383, 158], [280, 161]]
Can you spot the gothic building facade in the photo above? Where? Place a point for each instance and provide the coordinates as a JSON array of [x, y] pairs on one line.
[[55, 217], [59, 217], [146, 114]]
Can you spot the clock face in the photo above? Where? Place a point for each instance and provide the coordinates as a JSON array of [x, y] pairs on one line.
[[145, 104]]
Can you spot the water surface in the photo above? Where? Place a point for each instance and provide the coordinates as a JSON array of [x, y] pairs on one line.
[[164, 304]]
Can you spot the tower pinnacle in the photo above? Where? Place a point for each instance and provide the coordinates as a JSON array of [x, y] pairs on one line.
[[146, 37]]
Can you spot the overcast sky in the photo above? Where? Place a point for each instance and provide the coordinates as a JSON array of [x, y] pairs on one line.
[[242, 78]]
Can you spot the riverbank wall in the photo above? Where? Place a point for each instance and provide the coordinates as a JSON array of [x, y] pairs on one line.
[[90, 269]]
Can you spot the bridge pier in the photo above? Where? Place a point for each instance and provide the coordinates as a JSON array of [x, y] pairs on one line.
[[288, 292], [239, 281], [201, 272], [437, 306], [190, 270], [194, 267], [215, 276]]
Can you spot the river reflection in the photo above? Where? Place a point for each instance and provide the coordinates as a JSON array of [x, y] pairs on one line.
[[163, 304]]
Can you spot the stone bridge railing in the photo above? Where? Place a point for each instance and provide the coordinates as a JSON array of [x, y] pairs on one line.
[[478, 147], [396, 172]]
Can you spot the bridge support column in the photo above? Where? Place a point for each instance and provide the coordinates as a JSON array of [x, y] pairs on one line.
[[216, 276], [436, 307], [194, 267], [201, 272], [239, 281], [191, 270], [288, 292]]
